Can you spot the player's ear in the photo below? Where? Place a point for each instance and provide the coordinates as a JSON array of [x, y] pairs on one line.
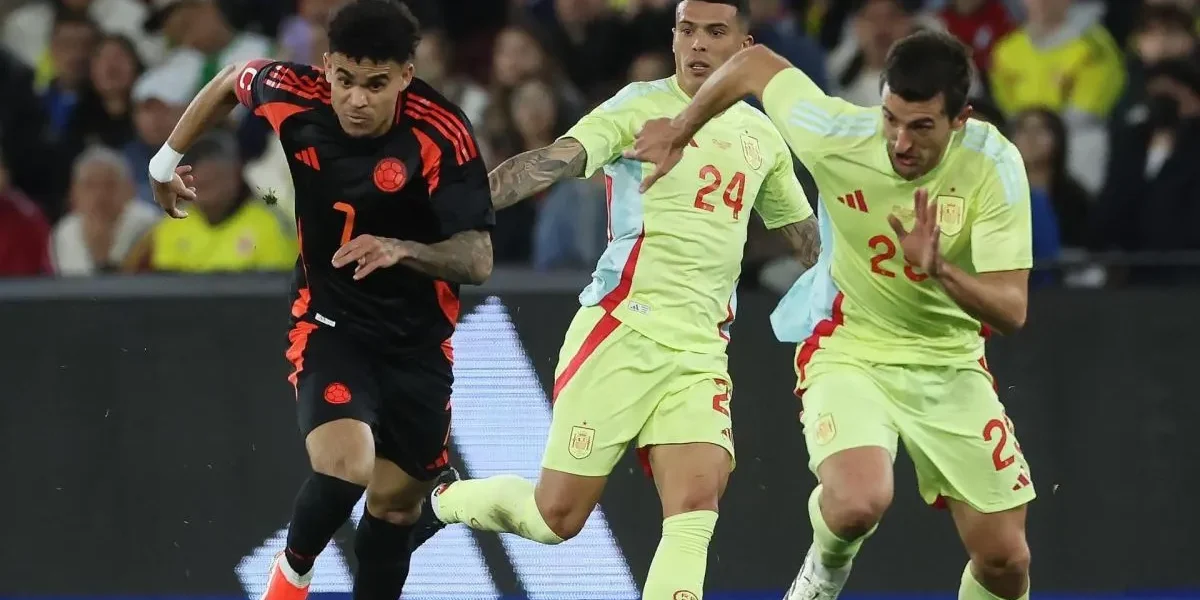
[[406, 73], [328, 66], [961, 120], [749, 41]]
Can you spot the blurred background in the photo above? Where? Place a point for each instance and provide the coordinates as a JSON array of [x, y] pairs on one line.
[[146, 428]]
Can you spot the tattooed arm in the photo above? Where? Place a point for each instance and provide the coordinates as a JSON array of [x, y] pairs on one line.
[[531, 172], [804, 239], [464, 258]]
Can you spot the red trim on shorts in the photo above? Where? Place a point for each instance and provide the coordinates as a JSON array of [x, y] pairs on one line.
[[450, 307], [298, 337], [595, 337], [995, 384], [824, 329]]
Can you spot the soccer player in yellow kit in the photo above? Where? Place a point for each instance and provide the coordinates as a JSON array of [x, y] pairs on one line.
[[644, 359], [890, 322]]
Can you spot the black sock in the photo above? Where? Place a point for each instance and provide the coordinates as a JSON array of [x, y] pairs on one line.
[[322, 505], [383, 550]]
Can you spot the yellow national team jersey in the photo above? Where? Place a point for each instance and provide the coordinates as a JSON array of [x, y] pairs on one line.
[[255, 238], [674, 254], [1086, 74], [861, 297]]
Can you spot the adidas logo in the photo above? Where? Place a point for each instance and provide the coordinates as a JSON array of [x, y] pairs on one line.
[[308, 156]]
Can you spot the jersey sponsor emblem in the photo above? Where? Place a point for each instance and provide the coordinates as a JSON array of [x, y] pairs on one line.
[[855, 200], [337, 393], [580, 446], [951, 214], [826, 429], [751, 151], [390, 175]]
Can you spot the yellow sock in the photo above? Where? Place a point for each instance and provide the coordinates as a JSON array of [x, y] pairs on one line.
[[677, 571], [503, 504], [835, 551], [971, 589]]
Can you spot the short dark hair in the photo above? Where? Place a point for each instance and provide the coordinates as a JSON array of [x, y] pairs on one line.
[[1165, 16], [375, 30], [741, 6], [928, 63]]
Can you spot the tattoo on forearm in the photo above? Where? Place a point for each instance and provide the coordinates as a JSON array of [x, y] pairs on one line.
[[805, 240], [531, 172], [464, 258]]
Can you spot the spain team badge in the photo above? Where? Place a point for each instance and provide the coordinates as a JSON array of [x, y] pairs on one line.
[[580, 446], [826, 429], [951, 214], [751, 151]]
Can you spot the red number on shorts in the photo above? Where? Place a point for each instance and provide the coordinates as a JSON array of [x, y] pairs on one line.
[[732, 195], [889, 252], [348, 227], [997, 461], [705, 173], [734, 200]]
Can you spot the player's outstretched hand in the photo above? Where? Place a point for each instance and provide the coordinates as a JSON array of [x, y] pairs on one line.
[[169, 195], [922, 245], [370, 253], [657, 143]]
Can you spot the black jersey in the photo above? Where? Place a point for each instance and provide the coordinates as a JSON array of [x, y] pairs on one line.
[[423, 181]]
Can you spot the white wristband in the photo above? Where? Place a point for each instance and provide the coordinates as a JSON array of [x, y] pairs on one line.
[[162, 166]]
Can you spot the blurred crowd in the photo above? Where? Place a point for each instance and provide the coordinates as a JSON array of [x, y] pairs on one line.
[[1101, 97]]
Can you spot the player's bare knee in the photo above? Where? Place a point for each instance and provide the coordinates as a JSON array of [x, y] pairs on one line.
[[344, 466], [851, 511], [564, 516], [1002, 560], [395, 508]]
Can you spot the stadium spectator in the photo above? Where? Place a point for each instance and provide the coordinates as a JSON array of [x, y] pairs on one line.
[[105, 219], [434, 62], [24, 233], [228, 230], [205, 41], [1059, 205], [22, 122], [857, 63], [1152, 197], [651, 66], [105, 111], [1063, 58], [71, 44], [978, 24], [568, 228], [302, 36], [591, 42], [27, 30], [772, 26], [1163, 32], [159, 99]]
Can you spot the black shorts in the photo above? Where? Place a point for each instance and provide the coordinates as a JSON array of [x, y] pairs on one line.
[[405, 400]]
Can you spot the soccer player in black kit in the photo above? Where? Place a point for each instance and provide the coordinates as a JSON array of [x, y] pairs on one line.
[[393, 213]]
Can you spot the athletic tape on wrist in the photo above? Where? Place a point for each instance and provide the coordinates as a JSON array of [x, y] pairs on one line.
[[162, 166]]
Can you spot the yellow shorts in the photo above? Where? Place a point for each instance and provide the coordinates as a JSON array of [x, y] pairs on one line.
[[950, 420], [614, 384]]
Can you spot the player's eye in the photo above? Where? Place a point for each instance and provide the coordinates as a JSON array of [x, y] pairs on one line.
[[686, 31], [718, 32], [346, 83]]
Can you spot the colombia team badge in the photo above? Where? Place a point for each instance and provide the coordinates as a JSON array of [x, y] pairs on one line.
[[580, 446], [751, 151], [951, 214]]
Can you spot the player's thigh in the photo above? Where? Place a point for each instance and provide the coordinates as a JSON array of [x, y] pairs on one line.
[[607, 382], [962, 443], [413, 428], [845, 405], [336, 403]]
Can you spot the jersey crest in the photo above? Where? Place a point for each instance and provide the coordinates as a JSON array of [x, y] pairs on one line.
[[751, 151], [951, 214]]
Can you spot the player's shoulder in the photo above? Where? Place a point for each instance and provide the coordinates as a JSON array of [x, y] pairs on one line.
[[299, 83], [436, 119], [639, 94], [995, 158]]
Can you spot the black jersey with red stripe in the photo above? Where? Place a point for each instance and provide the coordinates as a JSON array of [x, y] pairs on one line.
[[423, 181]]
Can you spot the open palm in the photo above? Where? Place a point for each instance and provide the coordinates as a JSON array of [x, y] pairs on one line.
[[921, 246]]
